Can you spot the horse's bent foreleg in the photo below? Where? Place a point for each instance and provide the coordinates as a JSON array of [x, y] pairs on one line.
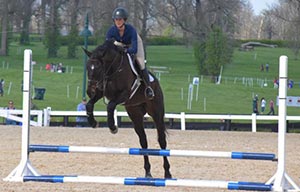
[[90, 113], [110, 117], [90, 110]]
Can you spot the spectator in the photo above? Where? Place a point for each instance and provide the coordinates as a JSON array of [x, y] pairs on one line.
[[32, 107], [276, 83], [10, 107], [262, 104], [81, 121], [1, 87], [255, 104], [262, 67], [272, 111], [290, 84], [267, 67]]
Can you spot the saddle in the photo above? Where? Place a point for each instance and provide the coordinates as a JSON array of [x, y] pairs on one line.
[[135, 69]]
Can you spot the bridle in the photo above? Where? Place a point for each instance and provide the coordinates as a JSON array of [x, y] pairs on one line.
[[101, 84]]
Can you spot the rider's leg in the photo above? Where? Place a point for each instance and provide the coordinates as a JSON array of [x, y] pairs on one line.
[[140, 56]]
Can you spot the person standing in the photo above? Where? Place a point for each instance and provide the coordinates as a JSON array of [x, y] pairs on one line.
[[272, 111], [131, 43], [262, 104], [1, 87], [267, 67], [255, 104], [10, 107], [81, 121]]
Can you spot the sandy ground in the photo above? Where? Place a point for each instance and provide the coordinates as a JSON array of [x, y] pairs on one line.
[[132, 166]]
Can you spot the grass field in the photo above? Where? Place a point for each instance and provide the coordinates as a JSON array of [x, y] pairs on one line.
[[232, 96]]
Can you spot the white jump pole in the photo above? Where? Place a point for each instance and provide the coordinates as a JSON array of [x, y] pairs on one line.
[[281, 181], [24, 167]]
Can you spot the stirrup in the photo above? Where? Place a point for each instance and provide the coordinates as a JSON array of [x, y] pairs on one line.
[[149, 93]]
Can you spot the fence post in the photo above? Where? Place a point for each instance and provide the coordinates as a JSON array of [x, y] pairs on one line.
[[253, 122], [182, 114]]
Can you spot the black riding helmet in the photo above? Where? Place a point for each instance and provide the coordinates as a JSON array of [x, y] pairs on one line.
[[120, 13]]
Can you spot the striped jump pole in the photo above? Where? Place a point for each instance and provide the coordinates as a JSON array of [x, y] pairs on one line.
[[153, 152], [231, 185]]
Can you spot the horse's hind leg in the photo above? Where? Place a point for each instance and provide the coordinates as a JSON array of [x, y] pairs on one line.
[[158, 118], [137, 115]]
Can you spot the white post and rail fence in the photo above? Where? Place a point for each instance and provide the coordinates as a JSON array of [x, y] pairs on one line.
[[44, 116]]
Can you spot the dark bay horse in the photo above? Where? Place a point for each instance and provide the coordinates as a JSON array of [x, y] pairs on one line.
[[110, 76]]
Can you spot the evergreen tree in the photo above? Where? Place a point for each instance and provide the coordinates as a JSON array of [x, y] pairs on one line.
[[52, 41], [199, 53], [217, 52], [72, 43]]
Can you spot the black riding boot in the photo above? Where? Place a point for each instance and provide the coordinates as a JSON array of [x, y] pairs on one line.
[[148, 91]]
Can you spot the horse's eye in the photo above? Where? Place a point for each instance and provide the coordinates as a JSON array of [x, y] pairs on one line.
[[92, 67]]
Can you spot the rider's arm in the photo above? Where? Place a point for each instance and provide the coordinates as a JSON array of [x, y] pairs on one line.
[[134, 44]]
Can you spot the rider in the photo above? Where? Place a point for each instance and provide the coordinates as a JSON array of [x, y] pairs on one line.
[[127, 35]]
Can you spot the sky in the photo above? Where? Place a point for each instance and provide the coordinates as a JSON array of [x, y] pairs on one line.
[[259, 5]]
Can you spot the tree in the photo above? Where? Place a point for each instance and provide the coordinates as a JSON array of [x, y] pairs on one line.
[[6, 11], [72, 43], [216, 52], [52, 32], [25, 12]]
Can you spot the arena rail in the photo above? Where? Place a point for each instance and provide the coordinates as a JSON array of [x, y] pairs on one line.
[[181, 116], [44, 116], [26, 172]]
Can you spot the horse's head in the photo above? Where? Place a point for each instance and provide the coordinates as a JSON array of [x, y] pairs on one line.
[[99, 64]]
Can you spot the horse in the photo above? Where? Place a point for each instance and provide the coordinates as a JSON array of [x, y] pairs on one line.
[[111, 76]]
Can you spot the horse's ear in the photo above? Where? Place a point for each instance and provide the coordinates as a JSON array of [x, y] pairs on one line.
[[87, 52]]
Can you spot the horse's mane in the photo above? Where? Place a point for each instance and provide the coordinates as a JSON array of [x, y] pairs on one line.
[[101, 49]]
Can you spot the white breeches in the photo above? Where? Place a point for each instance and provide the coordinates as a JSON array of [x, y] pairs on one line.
[[140, 55]]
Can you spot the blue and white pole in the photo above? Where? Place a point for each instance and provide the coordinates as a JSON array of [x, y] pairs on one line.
[[152, 152], [231, 185]]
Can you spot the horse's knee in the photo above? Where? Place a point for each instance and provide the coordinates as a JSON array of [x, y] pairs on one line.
[[89, 108]]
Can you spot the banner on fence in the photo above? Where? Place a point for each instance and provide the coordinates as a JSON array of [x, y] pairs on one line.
[[292, 101]]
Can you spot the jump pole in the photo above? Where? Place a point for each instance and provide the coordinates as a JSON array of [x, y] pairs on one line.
[[25, 167], [231, 185], [153, 152], [281, 181]]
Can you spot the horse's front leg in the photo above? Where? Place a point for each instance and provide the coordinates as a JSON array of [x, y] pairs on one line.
[[90, 112], [110, 117]]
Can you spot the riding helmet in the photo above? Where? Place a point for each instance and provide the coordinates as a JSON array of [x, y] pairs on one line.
[[120, 13]]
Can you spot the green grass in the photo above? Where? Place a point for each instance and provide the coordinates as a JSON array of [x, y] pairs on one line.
[[230, 97]]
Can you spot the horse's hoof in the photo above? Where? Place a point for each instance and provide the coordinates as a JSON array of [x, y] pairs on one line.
[[113, 129], [168, 176], [95, 124], [148, 175]]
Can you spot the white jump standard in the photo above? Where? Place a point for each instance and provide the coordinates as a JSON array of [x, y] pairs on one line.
[[279, 182]]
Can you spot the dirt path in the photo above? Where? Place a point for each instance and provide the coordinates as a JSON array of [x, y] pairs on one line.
[[132, 166]]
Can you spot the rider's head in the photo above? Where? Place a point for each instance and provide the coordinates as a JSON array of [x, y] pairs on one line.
[[119, 16]]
